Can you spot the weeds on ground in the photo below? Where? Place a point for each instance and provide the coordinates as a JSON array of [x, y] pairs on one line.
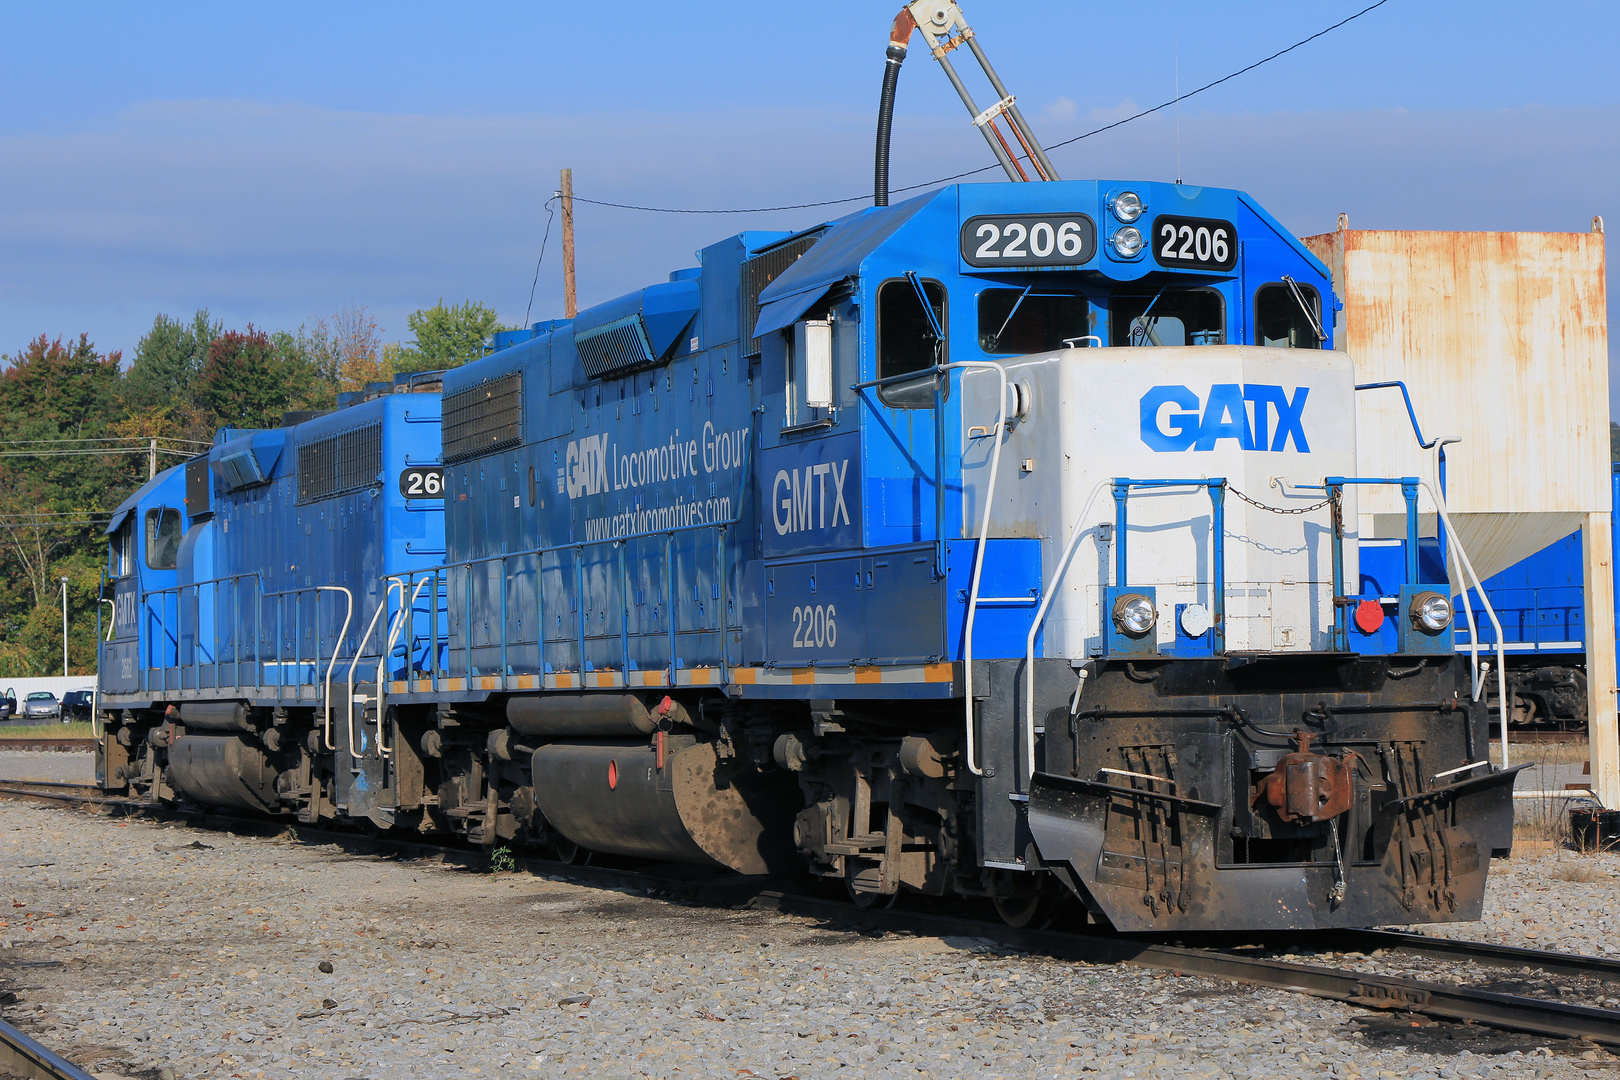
[[501, 860], [1544, 820], [1580, 869]]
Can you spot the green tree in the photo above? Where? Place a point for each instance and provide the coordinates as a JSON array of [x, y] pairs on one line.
[[447, 337], [57, 401], [1614, 441], [168, 360]]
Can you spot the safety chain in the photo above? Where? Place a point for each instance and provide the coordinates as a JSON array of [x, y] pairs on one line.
[[1284, 510]]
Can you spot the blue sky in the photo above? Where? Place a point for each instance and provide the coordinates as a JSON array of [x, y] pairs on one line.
[[275, 163]]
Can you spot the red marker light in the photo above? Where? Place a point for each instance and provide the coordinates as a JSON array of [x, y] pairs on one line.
[[1369, 616]]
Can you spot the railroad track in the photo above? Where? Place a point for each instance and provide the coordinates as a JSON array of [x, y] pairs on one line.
[[1249, 959], [57, 791], [1221, 959], [49, 743], [22, 1057]]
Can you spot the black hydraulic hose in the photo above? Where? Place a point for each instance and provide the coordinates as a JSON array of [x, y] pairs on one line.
[[880, 170]]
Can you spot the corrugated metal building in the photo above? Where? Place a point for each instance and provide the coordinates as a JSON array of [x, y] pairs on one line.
[[1502, 340]]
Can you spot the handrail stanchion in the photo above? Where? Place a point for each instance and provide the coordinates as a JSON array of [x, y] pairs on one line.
[[1341, 635], [504, 614], [360, 647], [433, 629], [347, 615], [1485, 603], [725, 603], [1048, 593], [1217, 497], [467, 590], [624, 615], [669, 602], [1409, 490], [383, 749]]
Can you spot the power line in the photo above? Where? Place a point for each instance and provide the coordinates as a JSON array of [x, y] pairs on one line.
[[551, 212], [96, 451], [989, 168], [118, 438]]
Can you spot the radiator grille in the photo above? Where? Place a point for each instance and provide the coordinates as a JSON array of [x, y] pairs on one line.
[[759, 272], [614, 347], [338, 464], [484, 418]]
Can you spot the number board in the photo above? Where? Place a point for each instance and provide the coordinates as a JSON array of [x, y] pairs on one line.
[[1195, 243], [1028, 240], [422, 483]]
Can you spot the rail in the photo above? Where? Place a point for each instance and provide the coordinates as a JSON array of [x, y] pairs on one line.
[[27, 1059]]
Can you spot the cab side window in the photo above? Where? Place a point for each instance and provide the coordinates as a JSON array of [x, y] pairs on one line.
[[906, 341], [121, 550], [1288, 315], [162, 538]]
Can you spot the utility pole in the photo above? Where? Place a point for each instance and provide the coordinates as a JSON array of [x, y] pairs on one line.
[[151, 460], [570, 299], [64, 627]]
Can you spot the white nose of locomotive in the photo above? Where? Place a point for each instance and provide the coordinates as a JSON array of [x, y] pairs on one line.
[[1244, 415]]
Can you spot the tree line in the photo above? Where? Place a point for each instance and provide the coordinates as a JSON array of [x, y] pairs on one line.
[[78, 429]]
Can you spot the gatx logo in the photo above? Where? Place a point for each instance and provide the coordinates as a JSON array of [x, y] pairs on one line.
[[1174, 418]]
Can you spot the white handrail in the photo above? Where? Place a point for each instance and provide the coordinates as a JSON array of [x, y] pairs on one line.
[[347, 615], [383, 749], [978, 555], [382, 607], [1047, 594], [1485, 602]]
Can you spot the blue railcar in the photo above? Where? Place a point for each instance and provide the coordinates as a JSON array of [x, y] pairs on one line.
[[1541, 604], [254, 587], [991, 543]]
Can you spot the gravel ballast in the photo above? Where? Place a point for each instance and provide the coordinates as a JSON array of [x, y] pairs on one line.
[[152, 950]]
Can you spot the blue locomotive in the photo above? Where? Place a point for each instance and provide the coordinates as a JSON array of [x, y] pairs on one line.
[[993, 544]]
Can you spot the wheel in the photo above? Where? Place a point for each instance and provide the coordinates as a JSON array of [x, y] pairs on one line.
[[570, 852], [1034, 905]]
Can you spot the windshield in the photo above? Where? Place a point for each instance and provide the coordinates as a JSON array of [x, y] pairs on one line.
[[41, 695], [1168, 316], [1023, 321]]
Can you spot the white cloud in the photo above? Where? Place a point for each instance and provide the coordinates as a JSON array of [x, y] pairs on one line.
[[1063, 108]]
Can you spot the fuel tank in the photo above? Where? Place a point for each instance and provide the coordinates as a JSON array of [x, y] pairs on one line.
[[222, 770], [682, 805]]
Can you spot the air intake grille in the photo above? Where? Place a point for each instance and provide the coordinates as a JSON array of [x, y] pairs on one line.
[[759, 272], [484, 418], [338, 464], [614, 347]]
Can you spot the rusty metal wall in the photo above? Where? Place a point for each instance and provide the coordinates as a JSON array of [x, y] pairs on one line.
[[1502, 339]]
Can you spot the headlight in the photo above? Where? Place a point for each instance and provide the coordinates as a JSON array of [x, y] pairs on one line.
[[1127, 206], [1431, 611], [1134, 614], [1127, 242]]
